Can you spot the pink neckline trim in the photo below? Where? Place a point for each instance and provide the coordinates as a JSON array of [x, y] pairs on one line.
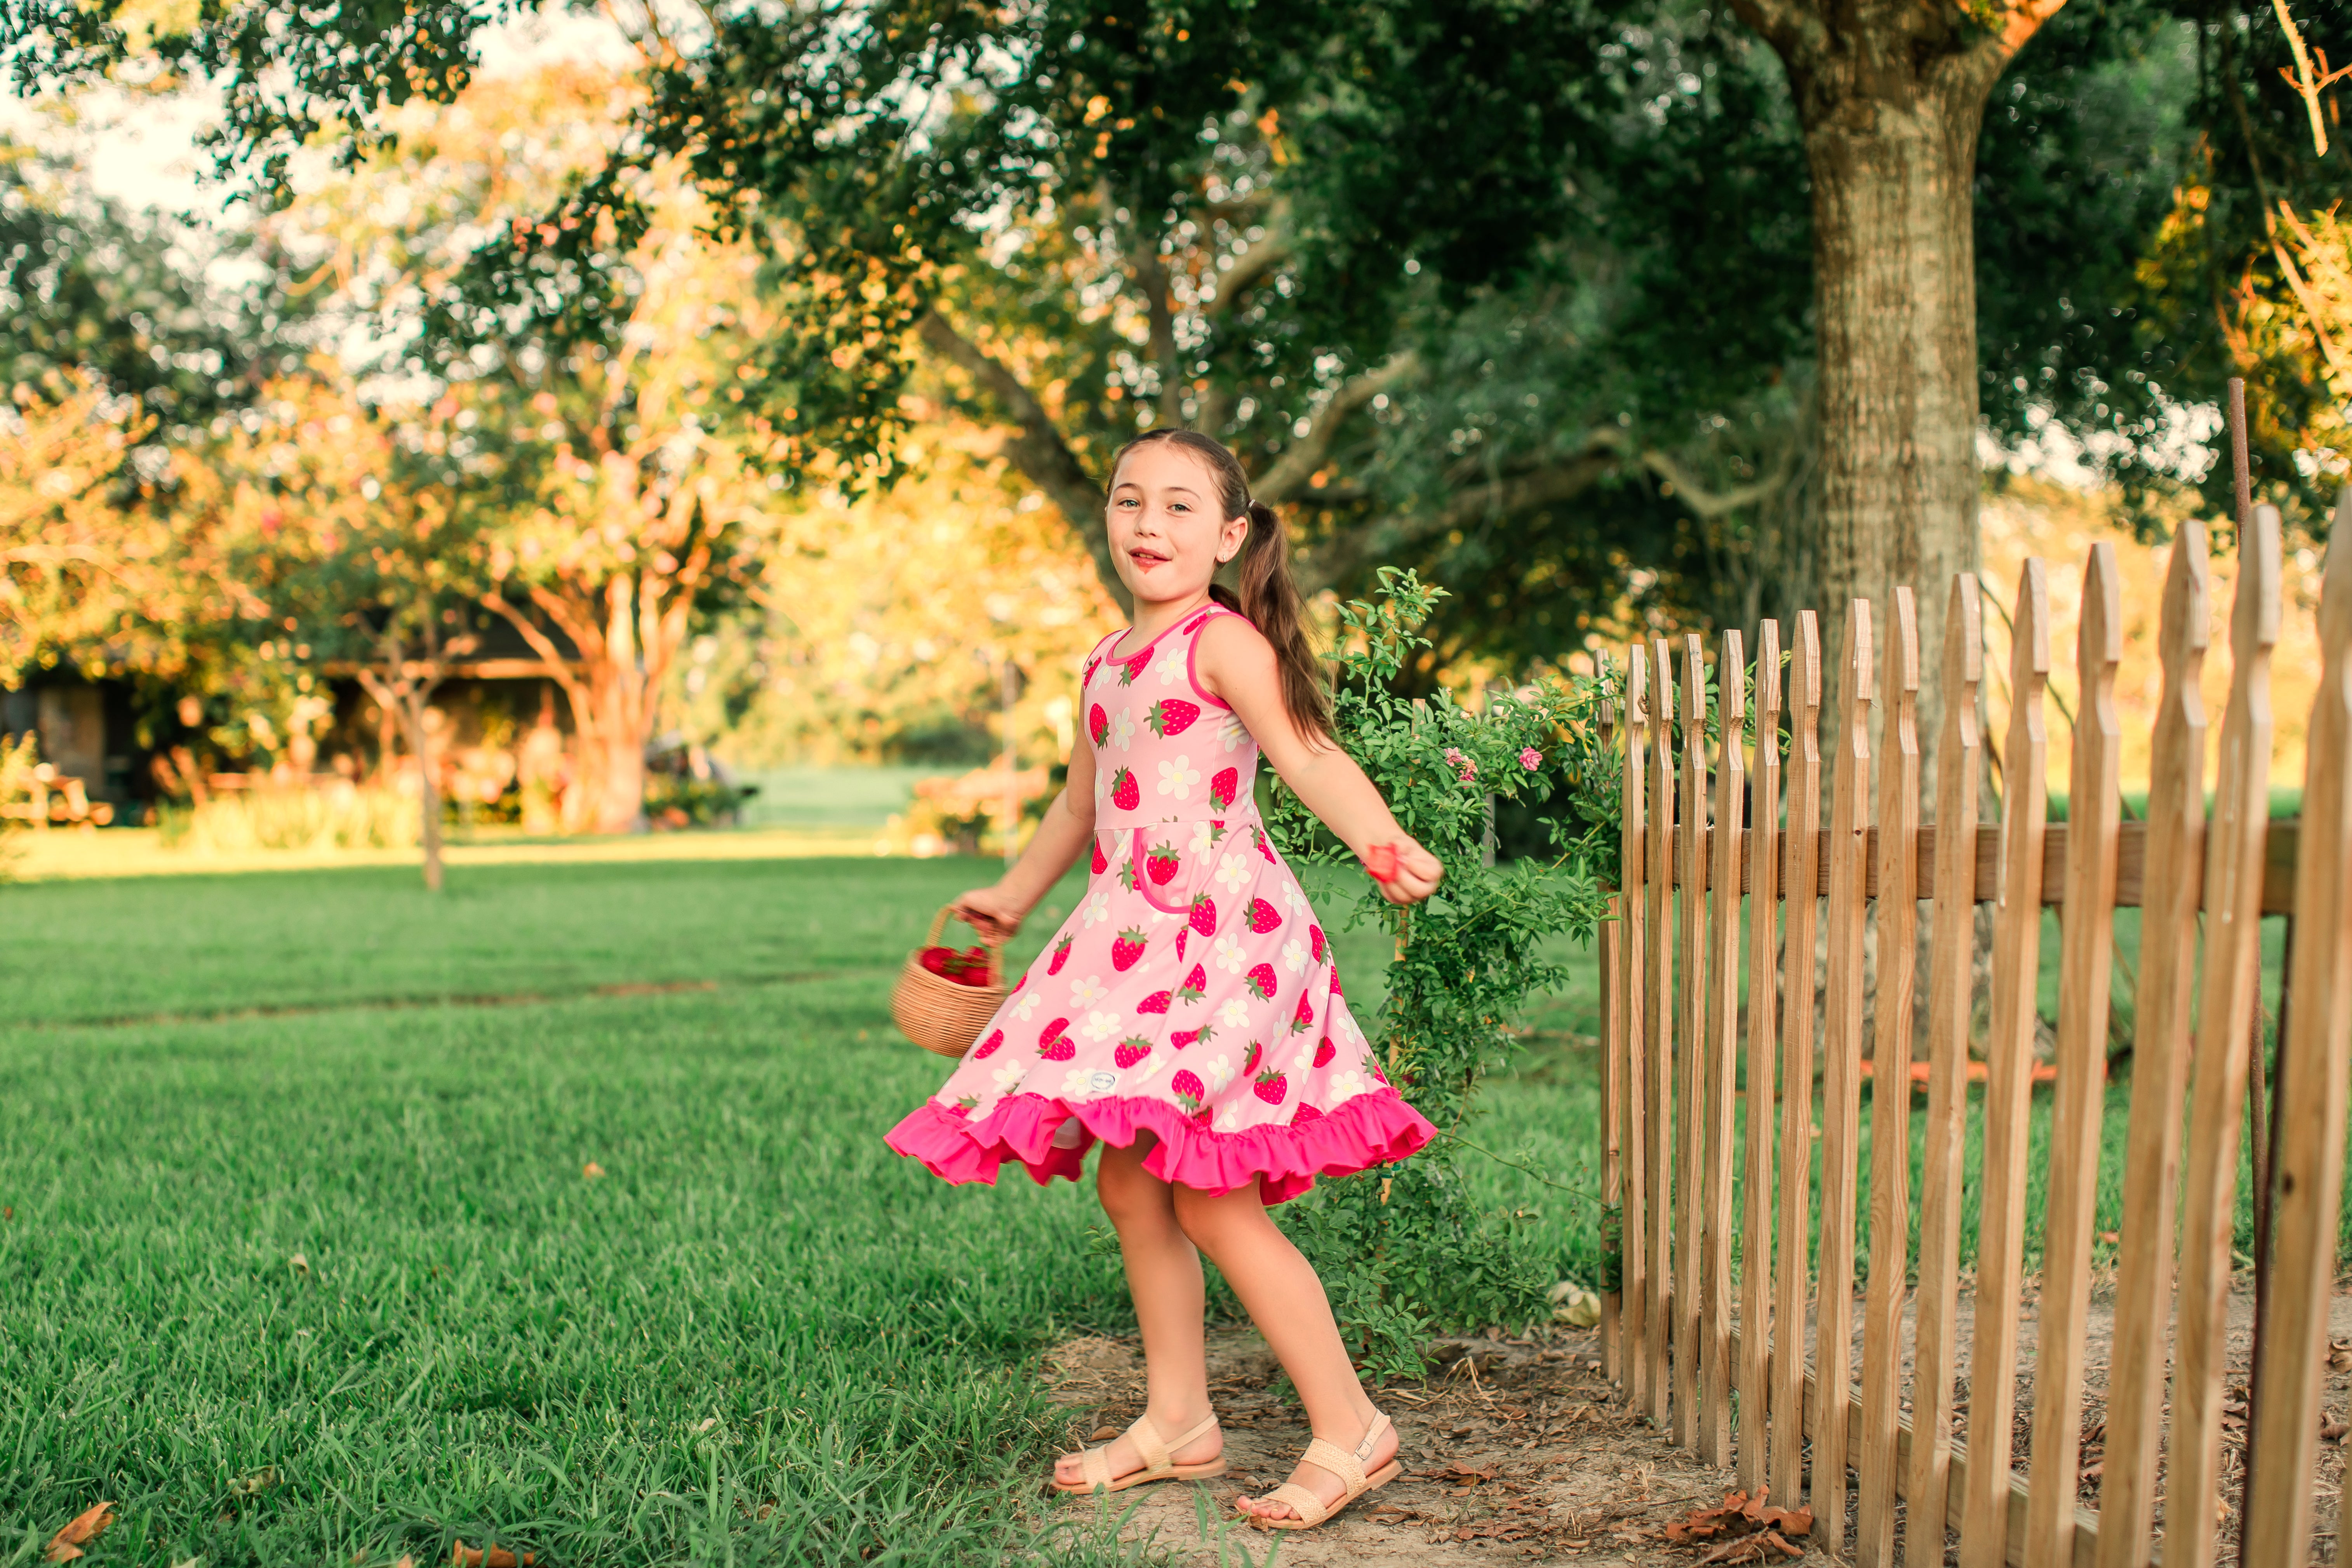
[[1375, 1128], [1112, 655]]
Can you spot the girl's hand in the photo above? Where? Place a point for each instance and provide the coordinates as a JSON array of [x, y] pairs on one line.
[[990, 912], [1406, 872]]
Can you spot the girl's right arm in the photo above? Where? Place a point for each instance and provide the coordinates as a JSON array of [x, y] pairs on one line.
[[1069, 826]]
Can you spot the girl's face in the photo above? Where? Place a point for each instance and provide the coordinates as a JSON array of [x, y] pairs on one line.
[[1168, 531]]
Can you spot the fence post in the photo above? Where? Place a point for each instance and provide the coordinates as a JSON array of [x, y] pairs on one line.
[[2017, 953], [1842, 1080], [2307, 1175], [1632, 1238], [2160, 1014], [2234, 853], [1959, 759], [1690, 1030], [1800, 888], [1613, 1049], [1756, 1229], [2087, 937], [1722, 1055], [1661, 1026], [1890, 1090]]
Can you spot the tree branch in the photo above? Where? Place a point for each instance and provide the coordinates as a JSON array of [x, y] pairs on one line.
[[1036, 447], [1793, 27], [1290, 472], [1546, 486], [1249, 267]]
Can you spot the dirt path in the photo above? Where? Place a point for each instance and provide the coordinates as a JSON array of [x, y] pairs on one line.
[[1519, 1450]]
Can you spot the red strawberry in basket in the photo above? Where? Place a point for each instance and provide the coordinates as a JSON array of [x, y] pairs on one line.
[[1305, 1112], [1155, 1002], [1262, 980], [1314, 941], [1195, 986], [1125, 793], [1272, 1087], [1186, 1085], [1221, 788], [1126, 949], [1203, 914], [1101, 864], [1061, 957], [1303, 1019], [987, 1048], [1324, 1053], [1098, 724], [1161, 863], [1249, 1062], [1170, 717], [1052, 1035], [1131, 1050], [1263, 916]]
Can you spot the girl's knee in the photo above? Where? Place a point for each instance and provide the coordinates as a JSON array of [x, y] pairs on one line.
[[1213, 1220], [1128, 1192]]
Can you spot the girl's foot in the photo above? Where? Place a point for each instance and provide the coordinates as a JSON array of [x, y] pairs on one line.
[[1126, 1459], [1327, 1488]]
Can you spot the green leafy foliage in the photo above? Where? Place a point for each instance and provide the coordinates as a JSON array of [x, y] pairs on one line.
[[1402, 1249]]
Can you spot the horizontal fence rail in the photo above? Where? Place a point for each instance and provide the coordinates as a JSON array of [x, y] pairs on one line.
[[1769, 950]]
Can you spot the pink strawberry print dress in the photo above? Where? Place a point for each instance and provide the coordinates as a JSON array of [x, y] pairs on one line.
[[1192, 995]]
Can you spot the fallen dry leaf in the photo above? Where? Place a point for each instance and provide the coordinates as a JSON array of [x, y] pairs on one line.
[[66, 1544], [592, 1170], [1102, 1433], [466, 1556], [299, 1264]]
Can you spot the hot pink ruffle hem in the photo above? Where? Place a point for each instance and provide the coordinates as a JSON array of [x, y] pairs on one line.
[[1373, 1128]]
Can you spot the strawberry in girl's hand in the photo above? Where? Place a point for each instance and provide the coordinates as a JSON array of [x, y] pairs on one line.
[[1272, 1087], [1221, 788], [1131, 1051], [1263, 916], [1380, 860], [1161, 863], [1171, 717], [1098, 724], [1061, 957], [1203, 915], [1262, 980], [1195, 986], [988, 1047], [1155, 1002], [1126, 949], [1125, 793]]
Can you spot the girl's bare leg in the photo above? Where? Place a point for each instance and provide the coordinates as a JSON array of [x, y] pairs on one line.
[[1286, 1301], [1163, 1274]]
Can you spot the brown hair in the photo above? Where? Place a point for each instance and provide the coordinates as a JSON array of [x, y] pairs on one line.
[[1268, 598]]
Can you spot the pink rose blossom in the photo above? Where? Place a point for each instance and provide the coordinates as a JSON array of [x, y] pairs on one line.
[[1463, 767], [1530, 759]]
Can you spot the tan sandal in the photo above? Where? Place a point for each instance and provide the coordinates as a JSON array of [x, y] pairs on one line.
[[1348, 1467], [1094, 1464]]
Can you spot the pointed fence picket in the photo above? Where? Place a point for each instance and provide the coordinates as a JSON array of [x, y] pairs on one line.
[[1727, 858]]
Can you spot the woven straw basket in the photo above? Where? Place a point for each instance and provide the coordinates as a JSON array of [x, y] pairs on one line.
[[935, 1012]]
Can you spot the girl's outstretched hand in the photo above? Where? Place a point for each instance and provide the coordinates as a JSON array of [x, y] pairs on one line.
[[988, 911], [1405, 872]]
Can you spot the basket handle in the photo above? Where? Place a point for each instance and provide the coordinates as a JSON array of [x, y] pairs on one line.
[[995, 949]]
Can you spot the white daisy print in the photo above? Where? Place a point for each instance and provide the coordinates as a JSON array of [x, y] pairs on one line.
[[1006, 1077], [1218, 1073], [1205, 838], [1097, 910], [1346, 1086], [1305, 1058], [1294, 898], [1233, 731], [1122, 728], [1230, 1118], [1231, 872], [1086, 992], [1026, 1006], [1235, 1014], [1231, 957], [1170, 666], [1073, 1082], [1177, 777], [1294, 955], [1101, 1025]]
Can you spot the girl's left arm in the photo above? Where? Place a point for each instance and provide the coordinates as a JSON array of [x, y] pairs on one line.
[[1237, 667]]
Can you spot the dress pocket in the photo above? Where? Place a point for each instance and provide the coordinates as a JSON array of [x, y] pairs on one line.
[[1169, 868]]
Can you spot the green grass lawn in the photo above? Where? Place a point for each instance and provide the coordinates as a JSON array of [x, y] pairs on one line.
[[298, 1262]]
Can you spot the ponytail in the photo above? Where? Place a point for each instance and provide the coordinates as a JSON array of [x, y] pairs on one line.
[[1268, 597]]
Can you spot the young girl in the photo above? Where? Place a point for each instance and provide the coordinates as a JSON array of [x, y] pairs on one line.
[[1188, 1015]]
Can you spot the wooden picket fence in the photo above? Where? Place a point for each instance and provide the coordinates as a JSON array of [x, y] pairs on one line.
[[1693, 1340]]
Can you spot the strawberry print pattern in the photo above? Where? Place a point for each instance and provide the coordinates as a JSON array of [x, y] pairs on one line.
[[1243, 1060]]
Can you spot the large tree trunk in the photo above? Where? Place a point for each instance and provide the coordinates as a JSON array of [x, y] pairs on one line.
[[1892, 94]]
